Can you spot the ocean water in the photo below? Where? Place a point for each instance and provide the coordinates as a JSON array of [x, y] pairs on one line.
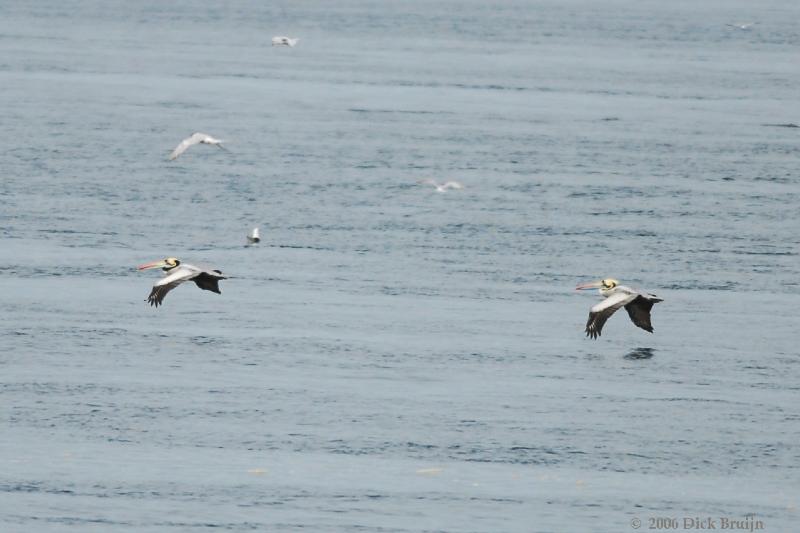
[[390, 358]]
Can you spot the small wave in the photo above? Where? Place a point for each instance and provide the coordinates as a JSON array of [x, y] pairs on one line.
[[695, 285], [640, 353], [399, 111], [755, 252], [63, 271]]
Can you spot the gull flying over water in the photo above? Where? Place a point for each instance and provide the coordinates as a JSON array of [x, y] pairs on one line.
[[282, 40], [742, 26], [175, 273], [254, 237], [442, 187], [637, 304], [195, 138]]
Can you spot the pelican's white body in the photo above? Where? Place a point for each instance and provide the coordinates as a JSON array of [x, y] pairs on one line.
[[179, 274]]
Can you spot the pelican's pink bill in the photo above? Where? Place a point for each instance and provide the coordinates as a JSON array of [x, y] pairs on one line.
[[154, 264]]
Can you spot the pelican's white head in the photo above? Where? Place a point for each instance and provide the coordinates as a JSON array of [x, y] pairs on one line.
[[604, 286], [166, 264]]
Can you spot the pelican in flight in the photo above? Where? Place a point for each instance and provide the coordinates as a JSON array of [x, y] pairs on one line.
[[254, 237], [284, 41], [442, 187], [195, 138], [637, 304], [176, 273], [742, 26]]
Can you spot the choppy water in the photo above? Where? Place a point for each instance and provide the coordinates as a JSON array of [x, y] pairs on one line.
[[390, 358]]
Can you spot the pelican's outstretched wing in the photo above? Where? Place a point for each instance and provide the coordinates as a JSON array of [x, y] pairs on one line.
[[159, 292], [639, 311], [209, 281], [169, 282], [452, 185], [602, 311]]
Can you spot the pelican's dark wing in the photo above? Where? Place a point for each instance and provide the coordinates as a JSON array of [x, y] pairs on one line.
[[639, 311], [602, 311], [174, 277], [209, 281], [158, 293]]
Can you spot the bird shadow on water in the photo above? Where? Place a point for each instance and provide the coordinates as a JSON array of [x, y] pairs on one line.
[[640, 353]]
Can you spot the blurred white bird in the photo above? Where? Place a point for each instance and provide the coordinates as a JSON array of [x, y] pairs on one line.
[[254, 237], [745, 26], [284, 41], [195, 138], [443, 186]]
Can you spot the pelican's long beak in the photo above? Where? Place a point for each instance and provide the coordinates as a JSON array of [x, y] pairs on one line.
[[154, 264], [590, 285]]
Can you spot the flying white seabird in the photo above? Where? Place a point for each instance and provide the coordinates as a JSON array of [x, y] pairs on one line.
[[442, 187], [281, 40], [254, 237], [638, 305], [176, 273], [742, 26], [195, 138]]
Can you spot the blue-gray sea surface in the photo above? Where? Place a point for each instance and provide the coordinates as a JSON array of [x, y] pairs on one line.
[[390, 358]]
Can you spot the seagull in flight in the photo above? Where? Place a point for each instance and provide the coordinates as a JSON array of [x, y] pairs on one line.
[[175, 273], [195, 138], [637, 304], [442, 187], [254, 237], [744, 26], [284, 41]]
